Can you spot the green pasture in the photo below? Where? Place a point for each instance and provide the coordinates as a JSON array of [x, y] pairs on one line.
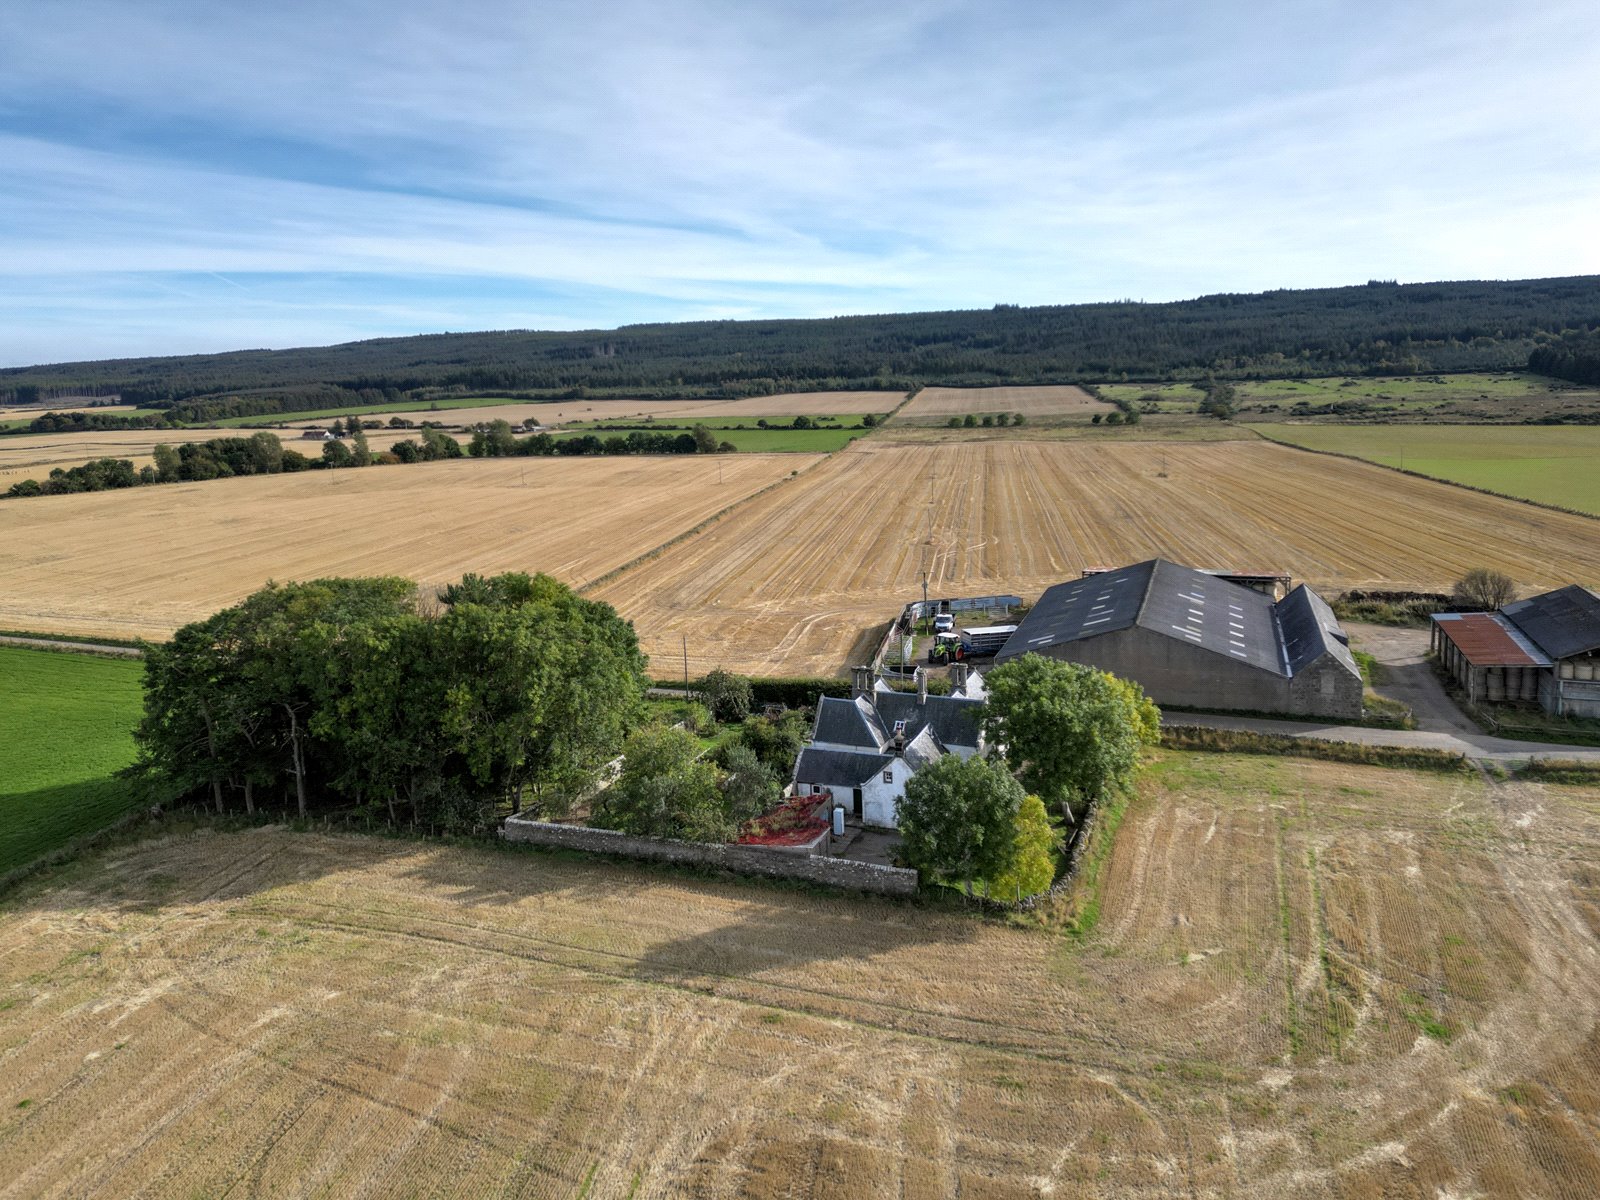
[[66, 725], [1553, 464]]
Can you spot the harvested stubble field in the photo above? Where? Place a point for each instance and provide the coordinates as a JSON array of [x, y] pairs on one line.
[[144, 561], [565, 412], [1040, 404], [788, 583], [1308, 980], [35, 455]]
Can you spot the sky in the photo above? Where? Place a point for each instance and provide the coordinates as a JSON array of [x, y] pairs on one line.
[[182, 177]]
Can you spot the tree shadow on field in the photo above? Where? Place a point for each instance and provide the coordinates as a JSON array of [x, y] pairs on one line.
[[773, 935]]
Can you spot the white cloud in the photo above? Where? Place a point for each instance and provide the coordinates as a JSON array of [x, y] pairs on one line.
[[660, 158]]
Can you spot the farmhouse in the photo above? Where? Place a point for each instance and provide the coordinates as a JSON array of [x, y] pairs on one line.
[[1544, 649], [862, 750], [1194, 639], [316, 435]]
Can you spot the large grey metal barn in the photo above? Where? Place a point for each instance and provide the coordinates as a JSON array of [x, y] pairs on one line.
[[1194, 640]]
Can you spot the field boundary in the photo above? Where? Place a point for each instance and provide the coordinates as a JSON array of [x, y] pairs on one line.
[[69, 645], [746, 860], [1470, 487]]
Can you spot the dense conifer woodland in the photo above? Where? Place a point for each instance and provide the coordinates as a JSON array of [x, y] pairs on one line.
[[1379, 328]]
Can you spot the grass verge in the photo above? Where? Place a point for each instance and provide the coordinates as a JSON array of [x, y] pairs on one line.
[[1238, 741]]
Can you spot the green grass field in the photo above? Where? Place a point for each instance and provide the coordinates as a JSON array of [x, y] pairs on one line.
[[65, 727], [1553, 464]]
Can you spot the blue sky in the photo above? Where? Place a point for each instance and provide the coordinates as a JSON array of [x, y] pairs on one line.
[[182, 177]]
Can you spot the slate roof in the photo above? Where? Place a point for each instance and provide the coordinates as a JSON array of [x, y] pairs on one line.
[[1309, 630], [839, 768], [1174, 601], [1562, 623], [953, 718], [848, 723]]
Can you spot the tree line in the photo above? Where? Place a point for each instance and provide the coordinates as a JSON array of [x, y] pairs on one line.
[[363, 694], [1576, 356], [1381, 328]]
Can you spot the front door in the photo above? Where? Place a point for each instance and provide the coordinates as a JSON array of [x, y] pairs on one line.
[[855, 800]]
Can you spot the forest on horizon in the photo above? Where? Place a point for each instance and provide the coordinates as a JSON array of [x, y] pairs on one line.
[[1379, 328]]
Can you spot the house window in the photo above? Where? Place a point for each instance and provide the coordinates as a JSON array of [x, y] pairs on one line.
[[888, 776]]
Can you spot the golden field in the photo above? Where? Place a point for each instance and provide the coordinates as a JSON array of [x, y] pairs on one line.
[[1307, 980], [142, 562], [790, 582], [35, 455], [936, 405], [563, 412]]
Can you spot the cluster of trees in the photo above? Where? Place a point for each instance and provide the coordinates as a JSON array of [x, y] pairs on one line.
[[1381, 328], [1221, 400], [356, 693], [988, 420], [1576, 357], [91, 422], [1069, 736], [498, 440], [667, 788]]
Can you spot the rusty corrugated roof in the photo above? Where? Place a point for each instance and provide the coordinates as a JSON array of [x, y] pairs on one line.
[[1487, 641]]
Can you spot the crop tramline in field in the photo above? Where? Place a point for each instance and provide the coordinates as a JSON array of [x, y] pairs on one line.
[[789, 582], [144, 561], [1308, 979]]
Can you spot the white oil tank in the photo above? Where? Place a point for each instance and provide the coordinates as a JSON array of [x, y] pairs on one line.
[[838, 822]]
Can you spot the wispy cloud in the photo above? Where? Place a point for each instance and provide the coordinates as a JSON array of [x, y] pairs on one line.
[[361, 168]]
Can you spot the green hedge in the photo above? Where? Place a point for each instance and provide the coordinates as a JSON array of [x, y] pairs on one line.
[[1238, 741], [795, 692]]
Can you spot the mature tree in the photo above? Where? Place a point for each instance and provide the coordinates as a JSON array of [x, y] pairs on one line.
[[958, 819], [360, 452], [437, 445], [970, 421], [406, 452], [1035, 866], [777, 740], [727, 695], [1071, 733], [336, 454], [749, 786], [665, 790], [1485, 588], [167, 463], [803, 422]]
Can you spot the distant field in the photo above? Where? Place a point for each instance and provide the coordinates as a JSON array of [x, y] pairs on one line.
[[791, 582], [34, 456], [1553, 464], [742, 431], [936, 405], [143, 561], [65, 722], [1307, 980], [560, 412], [1464, 398]]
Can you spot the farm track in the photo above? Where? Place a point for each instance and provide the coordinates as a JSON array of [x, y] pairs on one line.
[[276, 1013]]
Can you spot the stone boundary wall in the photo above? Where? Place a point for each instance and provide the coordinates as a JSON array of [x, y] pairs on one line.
[[747, 860]]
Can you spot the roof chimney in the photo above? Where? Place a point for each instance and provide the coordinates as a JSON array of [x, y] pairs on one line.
[[958, 678], [922, 688], [860, 681]]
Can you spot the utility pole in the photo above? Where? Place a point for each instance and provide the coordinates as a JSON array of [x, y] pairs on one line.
[[686, 662]]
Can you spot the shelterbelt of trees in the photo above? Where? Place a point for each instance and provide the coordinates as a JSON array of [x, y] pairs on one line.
[[1378, 328], [1576, 356], [359, 693]]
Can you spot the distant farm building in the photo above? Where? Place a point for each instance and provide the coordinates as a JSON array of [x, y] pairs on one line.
[[316, 435], [1196, 640], [1545, 649], [862, 750]]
